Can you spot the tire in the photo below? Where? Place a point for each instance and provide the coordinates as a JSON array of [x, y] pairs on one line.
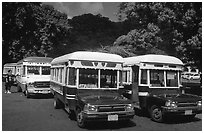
[[156, 114], [57, 103], [80, 119], [72, 115]]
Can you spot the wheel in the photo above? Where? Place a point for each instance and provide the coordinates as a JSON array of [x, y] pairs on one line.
[[156, 113], [57, 103], [72, 115], [80, 119]]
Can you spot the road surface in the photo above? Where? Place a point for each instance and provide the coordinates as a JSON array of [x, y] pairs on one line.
[[38, 114]]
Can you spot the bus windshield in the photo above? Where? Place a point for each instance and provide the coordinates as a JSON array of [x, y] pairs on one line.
[[157, 78], [33, 70], [108, 79], [45, 70], [88, 78]]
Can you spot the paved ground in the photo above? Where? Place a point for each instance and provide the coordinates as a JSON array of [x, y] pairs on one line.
[[38, 114]]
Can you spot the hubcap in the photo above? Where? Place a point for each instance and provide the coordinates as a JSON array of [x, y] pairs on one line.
[[80, 119], [157, 113]]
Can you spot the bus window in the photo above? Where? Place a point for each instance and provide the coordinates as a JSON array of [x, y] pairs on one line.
[[124, 76], [24, 71], [45, 70], [108, 79], [143, 76], [66, 76], [72, 76], [55, 73], [172, 79], [120, 79], [60, 75], [33, 70], [157, 78], [88, 78]]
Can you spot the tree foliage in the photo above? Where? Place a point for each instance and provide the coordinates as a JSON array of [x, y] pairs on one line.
[[171, 28], [177, 29], [31, 29]]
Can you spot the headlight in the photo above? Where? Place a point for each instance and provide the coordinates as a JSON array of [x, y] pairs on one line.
[[129, 107], [90, 108], [31, 84], [199, 103], [171, 104]]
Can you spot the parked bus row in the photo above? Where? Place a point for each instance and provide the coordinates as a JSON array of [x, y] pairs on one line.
[[94, 86]]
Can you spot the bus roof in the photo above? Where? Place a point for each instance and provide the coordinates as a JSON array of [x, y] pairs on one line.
[[36, 59], [91, 56], [10, 64], [152, 58]]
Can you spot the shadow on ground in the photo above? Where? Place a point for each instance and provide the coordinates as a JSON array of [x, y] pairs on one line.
[[169, 119], [110, 125]]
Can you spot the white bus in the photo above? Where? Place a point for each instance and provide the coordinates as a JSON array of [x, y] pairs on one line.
[[87, 85], [33, 75], [153, 83]]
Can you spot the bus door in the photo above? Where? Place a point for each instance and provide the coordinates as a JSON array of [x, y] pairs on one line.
[[70, 92], [135, 74]]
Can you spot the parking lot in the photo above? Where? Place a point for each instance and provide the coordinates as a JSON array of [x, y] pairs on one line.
[[38, 114]]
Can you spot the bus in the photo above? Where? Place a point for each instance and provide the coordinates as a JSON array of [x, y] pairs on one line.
[[153, 83], [12, 67], [33, 75], [86, 84]]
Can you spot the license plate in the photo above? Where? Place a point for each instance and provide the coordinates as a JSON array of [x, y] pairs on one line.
[[188, 112], [112, 117]]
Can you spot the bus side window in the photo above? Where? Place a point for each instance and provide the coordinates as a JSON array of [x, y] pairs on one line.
[[61, 75], [124, 76], [66, 75], [135, 73], [24, 70], [72, 76], [143, 76], [55, 75]]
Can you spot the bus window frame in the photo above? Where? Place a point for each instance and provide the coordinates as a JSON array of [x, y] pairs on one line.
[[165, 82], [128, 71], [140, 78]]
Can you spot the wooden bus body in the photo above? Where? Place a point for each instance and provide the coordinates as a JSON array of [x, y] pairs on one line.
[[33, 75], [87, 85], [153, 83]]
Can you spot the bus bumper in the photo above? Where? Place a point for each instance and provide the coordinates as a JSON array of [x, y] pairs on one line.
[[182, 111], [39, 90], [109, 116]]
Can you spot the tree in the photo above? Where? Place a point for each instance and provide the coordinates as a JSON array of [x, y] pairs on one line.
[[90, 32], [141, 41], [31, 29], [178, 23]]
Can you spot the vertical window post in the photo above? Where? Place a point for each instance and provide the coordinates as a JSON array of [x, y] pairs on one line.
[[99, 78], [77, 78], [118, 78], [165, 79]]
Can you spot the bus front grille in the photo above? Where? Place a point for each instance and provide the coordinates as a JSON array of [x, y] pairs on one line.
[[42, 84], [111, 108], [187, 104]]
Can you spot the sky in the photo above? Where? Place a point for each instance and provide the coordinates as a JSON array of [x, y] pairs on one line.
[[106, 9]]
